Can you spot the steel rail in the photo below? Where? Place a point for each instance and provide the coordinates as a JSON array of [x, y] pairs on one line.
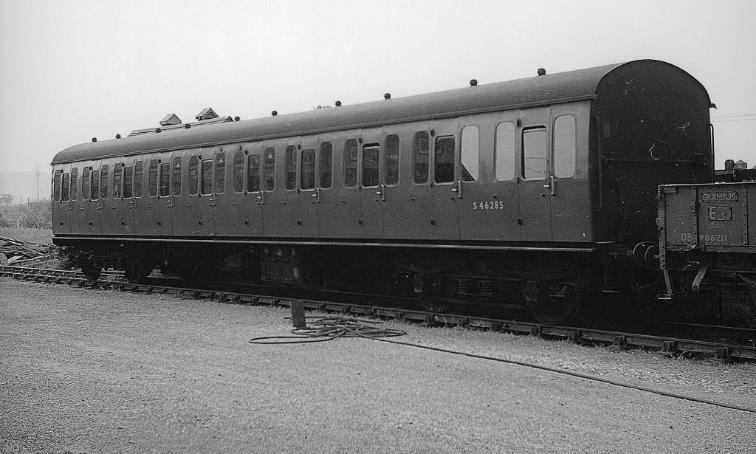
[[665, 344]]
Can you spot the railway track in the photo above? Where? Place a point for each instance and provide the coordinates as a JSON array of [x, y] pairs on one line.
[[743, 349]]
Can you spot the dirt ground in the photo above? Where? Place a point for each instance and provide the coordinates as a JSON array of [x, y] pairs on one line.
[[102, 371]]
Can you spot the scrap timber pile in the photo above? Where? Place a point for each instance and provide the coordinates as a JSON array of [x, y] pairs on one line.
[[15, 252]]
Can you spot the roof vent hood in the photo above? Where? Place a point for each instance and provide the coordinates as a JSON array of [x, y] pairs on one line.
[[206, 114], [170, 119]]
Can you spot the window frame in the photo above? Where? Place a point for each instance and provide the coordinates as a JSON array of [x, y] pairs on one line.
[[418, 151], [65, 187], [268, 172], [558, 151], [164, 183], [104, 181], [128, 182], [203, 179], [153, 177], [312, 172], [523, 159], [499, 150], [463, 149], [176, 174], [370, 147], [254, 173], [238, 167], [348, 183], [193, 175], [118, 180], [74, 191], [291, 158], [327, 145], [389, 153], [445, 138], [86, 178], [219, 172], [94, 186], [57, 177]]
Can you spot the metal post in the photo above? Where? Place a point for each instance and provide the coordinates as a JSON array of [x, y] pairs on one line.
[[298, 314]]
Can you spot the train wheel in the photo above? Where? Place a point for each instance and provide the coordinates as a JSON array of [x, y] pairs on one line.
[[436, 294], [136, 270], [552, 304], [91, 274]]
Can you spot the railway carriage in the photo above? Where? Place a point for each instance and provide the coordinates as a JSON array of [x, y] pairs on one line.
[[527, 193]]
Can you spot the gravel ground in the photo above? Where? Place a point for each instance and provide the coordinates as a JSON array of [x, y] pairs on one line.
[[103, 371]]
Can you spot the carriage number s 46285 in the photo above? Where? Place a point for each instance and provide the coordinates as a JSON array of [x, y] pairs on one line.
[[488, 205]]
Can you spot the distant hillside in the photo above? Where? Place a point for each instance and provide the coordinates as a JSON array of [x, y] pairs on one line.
[[25, 186]]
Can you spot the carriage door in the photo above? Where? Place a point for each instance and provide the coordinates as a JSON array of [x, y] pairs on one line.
[[484, 204], [164, 200], [237, 206], [148, 217], [88, 221], [370, 188], [534, 175], [445, 182], [212, 169], [261, 181], [570, 203], [308, 190], [109, 202], [138, 195], [62, 199]]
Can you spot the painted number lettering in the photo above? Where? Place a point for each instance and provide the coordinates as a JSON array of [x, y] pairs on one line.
[[703, 237], [487, 205]]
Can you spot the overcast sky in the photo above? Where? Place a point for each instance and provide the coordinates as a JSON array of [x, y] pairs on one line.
[[75, 69]]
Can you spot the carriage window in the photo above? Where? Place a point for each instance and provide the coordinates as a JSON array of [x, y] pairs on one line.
[[269, 169], [74, 184], [326, 163], [391, 160], [176, 177], [470, 153], [534, 153], [505, 151], [564, 146], [95, 185], [165, 179], [117, 180], [420, 151], [64, 191], [350, 163], [193, 175], [307, 177], [128, 182], [220, 173], [443, 160], [138, 171], [153, 176], [237, 174], [56, 184], [370, 156], [104, 170], [291, 167], [86, 175], [206, 177], [253, 173]]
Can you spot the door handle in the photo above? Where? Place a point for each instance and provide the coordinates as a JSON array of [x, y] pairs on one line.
[[381, 192], [458, 189], [552, 181], [260, 198]]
